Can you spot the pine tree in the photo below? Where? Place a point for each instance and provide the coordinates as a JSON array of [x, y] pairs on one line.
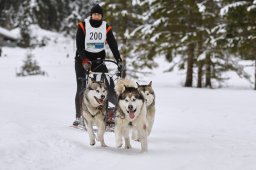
[[122, 16], [154, 33], [25, 21], [210, 34], [30, 67], [171, 29], [50, 13], [9, 15], [241, 29], [78, 11]]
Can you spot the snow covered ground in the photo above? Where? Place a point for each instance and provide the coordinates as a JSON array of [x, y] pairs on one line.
[[195, 129]]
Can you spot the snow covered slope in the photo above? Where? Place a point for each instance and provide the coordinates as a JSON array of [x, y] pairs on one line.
[[195, 129]]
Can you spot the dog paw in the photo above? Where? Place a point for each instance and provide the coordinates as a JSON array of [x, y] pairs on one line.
[[104, 145], [128, 147], [143, 150], [92, 142], [119, 145], [136, 139]]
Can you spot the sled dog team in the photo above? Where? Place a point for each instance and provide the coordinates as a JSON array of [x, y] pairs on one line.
[[135, 112]]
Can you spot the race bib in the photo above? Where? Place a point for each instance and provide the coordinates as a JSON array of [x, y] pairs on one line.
[[95, 37]]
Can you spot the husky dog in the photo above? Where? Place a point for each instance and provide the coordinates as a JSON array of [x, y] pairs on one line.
[[148, 93], [130, 114], [94, 109]]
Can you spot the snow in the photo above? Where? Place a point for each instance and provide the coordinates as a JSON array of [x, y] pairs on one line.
[[11, 34], [194, 129], [34, 4], [201, 7], [155, 37], [251, 8], [226, 8]]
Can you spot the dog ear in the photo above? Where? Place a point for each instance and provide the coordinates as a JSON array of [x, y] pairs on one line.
[[90, 88], [125, 87], [140, 96], [103, 84], [90, 80], [150, 84], [91, 84]]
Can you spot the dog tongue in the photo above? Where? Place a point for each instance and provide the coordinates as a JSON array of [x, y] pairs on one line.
[[131, 114]]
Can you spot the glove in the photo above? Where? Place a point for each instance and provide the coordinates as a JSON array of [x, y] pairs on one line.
[[86, 64], [120, 66]]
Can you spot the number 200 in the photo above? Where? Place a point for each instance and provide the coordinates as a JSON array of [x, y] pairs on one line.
[[95, 35]]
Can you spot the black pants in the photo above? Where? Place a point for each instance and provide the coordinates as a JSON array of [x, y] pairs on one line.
[[81, 84]]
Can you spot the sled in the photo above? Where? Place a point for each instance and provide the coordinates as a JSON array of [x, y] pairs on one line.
[[110, 79]]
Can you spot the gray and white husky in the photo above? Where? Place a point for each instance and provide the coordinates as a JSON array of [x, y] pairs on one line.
[[149, 94], [130, 115], [94, 109]]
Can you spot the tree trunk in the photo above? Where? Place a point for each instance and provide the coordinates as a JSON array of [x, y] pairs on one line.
[[208, 71], [123, 74], [190, 63], [125, 53], [200, 74]]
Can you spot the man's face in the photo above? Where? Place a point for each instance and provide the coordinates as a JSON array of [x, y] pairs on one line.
[[96, 16]]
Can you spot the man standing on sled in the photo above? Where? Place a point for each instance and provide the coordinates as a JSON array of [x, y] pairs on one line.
[[92, 35]]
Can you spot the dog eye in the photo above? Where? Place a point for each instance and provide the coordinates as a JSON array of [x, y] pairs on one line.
[[97, 91], [147, 93], [133, 100], [126, 100], [104, 91]]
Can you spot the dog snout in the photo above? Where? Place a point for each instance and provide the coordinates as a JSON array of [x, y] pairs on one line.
[[130, 107], [102, 96]]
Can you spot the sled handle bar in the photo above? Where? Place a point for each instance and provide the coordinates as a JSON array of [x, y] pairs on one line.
[[104, 60], [120, 69], [107, 74]]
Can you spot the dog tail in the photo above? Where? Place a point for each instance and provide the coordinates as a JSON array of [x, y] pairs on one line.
[[120, 85]]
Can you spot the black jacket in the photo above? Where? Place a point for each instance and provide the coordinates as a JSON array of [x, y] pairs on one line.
[[82, 53]]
